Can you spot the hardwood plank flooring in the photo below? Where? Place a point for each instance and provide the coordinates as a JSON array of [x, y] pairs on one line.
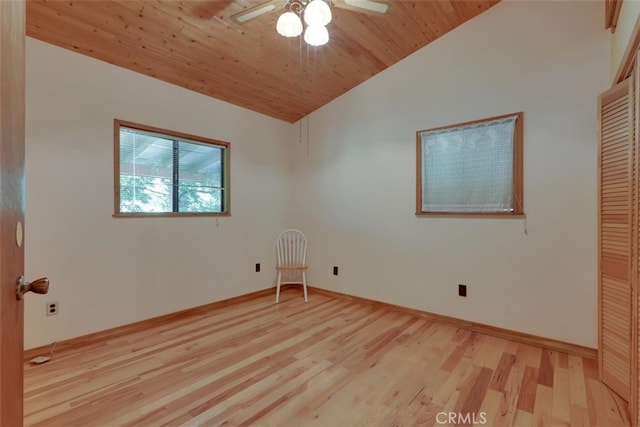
[[330, 362]]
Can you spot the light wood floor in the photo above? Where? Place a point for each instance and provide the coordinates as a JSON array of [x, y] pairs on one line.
[[330, 362]]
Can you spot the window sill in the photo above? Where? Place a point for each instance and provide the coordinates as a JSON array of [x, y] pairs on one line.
[[505, 215], [170, 214]]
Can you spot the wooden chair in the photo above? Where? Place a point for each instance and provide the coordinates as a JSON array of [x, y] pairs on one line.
[[291, 247]]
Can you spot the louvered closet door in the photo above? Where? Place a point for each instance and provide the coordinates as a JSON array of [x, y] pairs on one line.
[[634, 404], [615, 237]]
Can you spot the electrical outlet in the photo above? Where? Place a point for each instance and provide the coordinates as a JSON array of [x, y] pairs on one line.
[[52, 308], [462, 290], [335, 270], [257, 267]]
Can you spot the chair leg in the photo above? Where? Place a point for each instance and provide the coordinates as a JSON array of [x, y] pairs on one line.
[[278, 287], [304, 285]]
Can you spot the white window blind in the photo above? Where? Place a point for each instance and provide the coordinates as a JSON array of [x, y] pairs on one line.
[[469, 168]]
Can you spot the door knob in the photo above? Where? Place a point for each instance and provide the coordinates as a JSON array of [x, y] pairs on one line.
[[39, 286]]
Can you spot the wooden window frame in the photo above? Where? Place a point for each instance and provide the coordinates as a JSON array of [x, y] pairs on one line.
[[518, 193], [226, 174]]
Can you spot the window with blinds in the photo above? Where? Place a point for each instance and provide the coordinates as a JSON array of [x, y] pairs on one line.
[[472, 168], [159, 172]]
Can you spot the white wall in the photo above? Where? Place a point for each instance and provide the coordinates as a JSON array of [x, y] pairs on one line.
[[355, 185], [107, 272], [629, 13]]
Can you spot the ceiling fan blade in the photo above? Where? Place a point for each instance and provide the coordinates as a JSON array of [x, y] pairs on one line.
[[363, 5], [257, 11]]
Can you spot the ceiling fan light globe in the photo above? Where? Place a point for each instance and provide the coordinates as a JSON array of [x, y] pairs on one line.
[[316, 35], [317, 12], [289, 25]]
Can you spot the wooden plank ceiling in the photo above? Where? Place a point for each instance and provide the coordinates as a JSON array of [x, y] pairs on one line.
[[195, 44]]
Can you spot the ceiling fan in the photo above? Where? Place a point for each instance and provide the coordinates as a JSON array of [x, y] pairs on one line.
[[273, 5]]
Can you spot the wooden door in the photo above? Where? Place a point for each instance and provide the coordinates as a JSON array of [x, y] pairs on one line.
[[12, 102], [615, 189]]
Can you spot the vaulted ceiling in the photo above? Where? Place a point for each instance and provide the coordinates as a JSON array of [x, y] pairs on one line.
[[196, 45]]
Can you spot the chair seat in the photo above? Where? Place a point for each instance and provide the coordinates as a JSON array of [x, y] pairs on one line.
[[292, 267]]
